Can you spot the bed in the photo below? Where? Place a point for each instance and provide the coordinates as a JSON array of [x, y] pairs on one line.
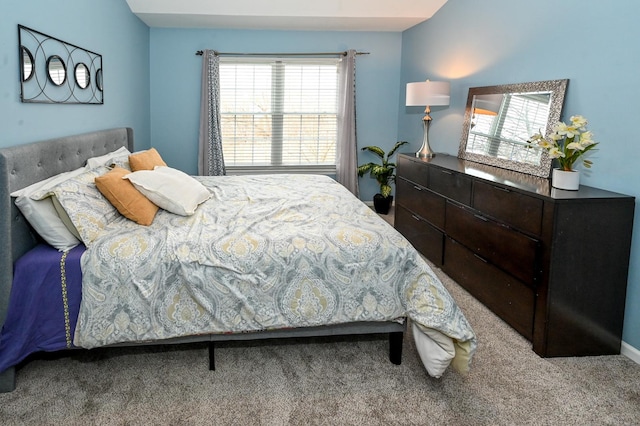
[[204, 275]]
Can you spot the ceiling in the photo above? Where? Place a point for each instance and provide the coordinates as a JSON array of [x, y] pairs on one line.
[[324, 15]]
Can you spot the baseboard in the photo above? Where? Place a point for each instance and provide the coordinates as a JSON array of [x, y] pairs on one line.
[[630, 352], [370, 203]]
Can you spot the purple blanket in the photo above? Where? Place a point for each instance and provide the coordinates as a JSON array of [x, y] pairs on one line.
[[36, 317]]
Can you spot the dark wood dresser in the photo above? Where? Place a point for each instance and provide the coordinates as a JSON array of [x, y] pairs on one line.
[[553, 264]]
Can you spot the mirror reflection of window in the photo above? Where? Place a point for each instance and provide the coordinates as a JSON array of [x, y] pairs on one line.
[[502, 129], [27, 64], [82, 76], [57, 70]]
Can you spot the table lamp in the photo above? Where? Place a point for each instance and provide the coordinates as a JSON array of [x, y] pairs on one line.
[[428, 94]]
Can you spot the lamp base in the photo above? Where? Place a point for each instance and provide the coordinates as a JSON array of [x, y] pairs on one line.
[[425, 150], [421, 154]]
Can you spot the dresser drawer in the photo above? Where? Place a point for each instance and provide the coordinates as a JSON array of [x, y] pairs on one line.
[[421, 201], [424, 237], [510, 250], [521, 211], [455, 186], [413, 171], [508, 298]]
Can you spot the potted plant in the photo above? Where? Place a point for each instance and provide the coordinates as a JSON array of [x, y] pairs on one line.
[[566, 144], [384, 174]]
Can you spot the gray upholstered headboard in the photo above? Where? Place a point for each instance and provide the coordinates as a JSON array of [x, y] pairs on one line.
[[22, 165]]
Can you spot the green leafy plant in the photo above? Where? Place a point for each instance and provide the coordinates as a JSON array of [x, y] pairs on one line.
[[384, 172], [567, 142]]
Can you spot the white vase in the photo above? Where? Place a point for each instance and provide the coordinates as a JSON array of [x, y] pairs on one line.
[[563, 179]]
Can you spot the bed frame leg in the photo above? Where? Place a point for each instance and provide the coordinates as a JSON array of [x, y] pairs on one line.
[[212, 356], [8, 380], [395, 347]]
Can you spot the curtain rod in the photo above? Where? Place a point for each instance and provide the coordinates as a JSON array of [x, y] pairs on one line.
[[200, 52]]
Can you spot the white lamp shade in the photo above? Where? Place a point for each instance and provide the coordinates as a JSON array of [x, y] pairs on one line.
[[428, 93]]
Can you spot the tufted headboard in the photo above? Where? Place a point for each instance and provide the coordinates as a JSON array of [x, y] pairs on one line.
[[22, 165]]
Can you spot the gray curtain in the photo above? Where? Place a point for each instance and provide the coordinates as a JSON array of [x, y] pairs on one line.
[[210, 158], [346, 155]]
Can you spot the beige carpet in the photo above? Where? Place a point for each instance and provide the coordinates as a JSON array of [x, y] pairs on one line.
[[344, 381]]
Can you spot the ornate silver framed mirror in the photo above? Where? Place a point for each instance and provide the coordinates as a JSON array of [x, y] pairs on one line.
[[499, 120]]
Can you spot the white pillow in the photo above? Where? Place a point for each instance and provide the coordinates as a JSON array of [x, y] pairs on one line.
[[435, 349], [43, 216], [119, 157], [170, 189]]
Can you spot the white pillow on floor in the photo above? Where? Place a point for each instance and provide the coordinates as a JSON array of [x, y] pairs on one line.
[[435, 349]]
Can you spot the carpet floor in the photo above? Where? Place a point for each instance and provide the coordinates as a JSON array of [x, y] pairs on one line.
[[325, 381]]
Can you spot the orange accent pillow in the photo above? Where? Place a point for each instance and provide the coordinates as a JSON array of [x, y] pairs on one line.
[[125, 197], [145, 160]]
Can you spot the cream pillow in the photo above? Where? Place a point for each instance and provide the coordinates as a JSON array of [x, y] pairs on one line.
[[119, 157], [125, 197], [145, 160], [89, 211], [42, 215], [436, 350], [170, 189]]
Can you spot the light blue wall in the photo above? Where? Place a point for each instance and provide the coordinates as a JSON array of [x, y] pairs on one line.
[[175, 83], [106, 27], [595, 46]]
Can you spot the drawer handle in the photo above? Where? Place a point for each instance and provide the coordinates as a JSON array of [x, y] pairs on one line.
[[480, 258], [417, 188], [415, 217], [482, 218], [499, 188], [446, 172]]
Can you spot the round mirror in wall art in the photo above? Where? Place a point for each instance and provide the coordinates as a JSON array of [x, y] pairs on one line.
[[82, 75], [27, 64], [99, 79], [56, 70]]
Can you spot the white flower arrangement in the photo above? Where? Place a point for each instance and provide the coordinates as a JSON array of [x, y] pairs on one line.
[[567, 143]]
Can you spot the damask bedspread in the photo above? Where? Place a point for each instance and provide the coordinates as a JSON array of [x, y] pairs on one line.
[[264, 252]]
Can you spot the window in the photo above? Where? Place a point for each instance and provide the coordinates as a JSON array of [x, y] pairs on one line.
[[279, 114]]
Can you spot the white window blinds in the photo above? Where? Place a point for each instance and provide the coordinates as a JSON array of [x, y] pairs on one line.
[[279, 114], [498, 135]]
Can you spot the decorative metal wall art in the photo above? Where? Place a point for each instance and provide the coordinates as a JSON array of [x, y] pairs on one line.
[[56, 72]]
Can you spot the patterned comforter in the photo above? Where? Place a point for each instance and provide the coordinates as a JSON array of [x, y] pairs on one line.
[[265, 252]]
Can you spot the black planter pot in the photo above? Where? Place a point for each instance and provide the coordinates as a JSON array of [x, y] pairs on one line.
[[382, 204]]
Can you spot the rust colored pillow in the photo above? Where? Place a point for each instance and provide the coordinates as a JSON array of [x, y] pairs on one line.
[[145, 160], [125, 197]]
